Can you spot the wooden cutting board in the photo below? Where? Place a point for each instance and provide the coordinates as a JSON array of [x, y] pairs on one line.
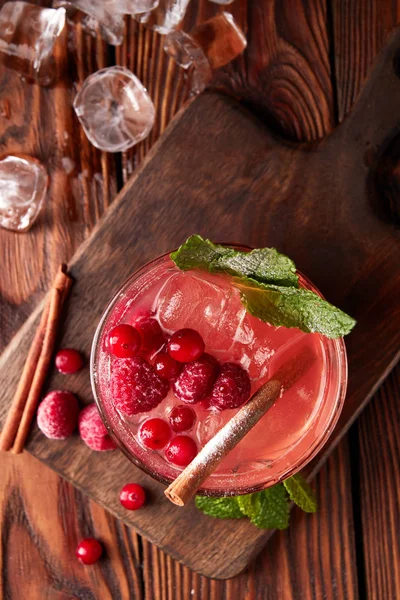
[[219, 172]]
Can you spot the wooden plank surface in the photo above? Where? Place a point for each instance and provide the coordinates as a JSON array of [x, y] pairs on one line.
[[177, 577]]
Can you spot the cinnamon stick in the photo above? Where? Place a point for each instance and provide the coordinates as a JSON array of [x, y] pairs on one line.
[[184, 487], [19, 418]]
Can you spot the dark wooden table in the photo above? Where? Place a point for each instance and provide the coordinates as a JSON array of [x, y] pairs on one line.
[[303, 69]]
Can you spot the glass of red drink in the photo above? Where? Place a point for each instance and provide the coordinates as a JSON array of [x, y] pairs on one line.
[[286, 438]]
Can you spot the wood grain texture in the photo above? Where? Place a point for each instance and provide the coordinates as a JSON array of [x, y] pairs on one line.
[[360, 29], [39, 539], [75, 199], [379, 500], [197, 166]]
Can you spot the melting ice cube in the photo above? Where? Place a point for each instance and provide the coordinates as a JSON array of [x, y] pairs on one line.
[[23, 185], [28, 35], [98, 13], [166, 17], [114, 109]]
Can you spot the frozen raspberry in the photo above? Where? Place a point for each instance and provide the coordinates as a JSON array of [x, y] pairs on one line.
[[124, 341], [136, 387], [132, 496], [68, 361], [150, 330], [93, 431], [57, 415], [89, 551], [154, 433], [232, 387], [165, 366], [181, 450], [196, 379], [182, 418], [186, 345]]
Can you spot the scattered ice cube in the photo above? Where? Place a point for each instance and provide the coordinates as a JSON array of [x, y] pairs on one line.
[[114, 109], [102, 14], [133, 7], [23, 185], [222, 1], [186, 52], [28, 35], [166, 17], [221, 39]]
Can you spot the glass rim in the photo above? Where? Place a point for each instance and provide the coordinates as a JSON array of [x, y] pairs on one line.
[[337, 350]]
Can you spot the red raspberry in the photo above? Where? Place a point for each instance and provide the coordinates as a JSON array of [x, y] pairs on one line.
[[68, 361], [124, 341], [57, 415], [150, 330], [181, 450], [186, 345], [165, 366], [196, 379], [154, 433], [89, 551], [182, 418], [132, 496], [93, 431], [232, 387], [136, 387]]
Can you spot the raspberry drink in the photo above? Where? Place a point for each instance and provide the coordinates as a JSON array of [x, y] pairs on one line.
[[201, 356]]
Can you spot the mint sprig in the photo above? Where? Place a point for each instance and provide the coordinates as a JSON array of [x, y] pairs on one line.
[[268, 509], [268, 286]]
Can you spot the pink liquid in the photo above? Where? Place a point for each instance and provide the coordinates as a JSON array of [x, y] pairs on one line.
[[292, 430]]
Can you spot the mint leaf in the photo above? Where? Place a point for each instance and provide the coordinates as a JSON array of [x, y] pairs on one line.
[[223, 508], [301, 493], [273, 512], [263, 264], [197, 253], [268, 283], [293, 307], [250, 504]]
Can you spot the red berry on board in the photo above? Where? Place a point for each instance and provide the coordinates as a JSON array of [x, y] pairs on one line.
[[231, 388], [92, 430], [124, 341], [57, 415], [89, 551], [185, 345], [154, 433], [196, 379], [182, 418], [68, 361], [132, 496], [165, 366], [150, 330], [136, 387], [181, 450]]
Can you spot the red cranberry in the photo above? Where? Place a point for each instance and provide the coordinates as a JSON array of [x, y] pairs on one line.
[[165, 366], [182, 418], [68, 361], [124, 341], [89, 551], [181, 450], [132, 496], [154, 433], [150, 330], [186, 345]]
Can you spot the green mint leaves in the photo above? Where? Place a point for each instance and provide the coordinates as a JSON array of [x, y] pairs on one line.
[[268, 509], [268, 286], [300, 492]]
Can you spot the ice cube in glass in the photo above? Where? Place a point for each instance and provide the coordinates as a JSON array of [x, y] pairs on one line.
[[28, 37], [23, 186], [114, 109]]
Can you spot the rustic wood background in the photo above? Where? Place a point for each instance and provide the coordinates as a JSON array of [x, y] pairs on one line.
[[302, 71]]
